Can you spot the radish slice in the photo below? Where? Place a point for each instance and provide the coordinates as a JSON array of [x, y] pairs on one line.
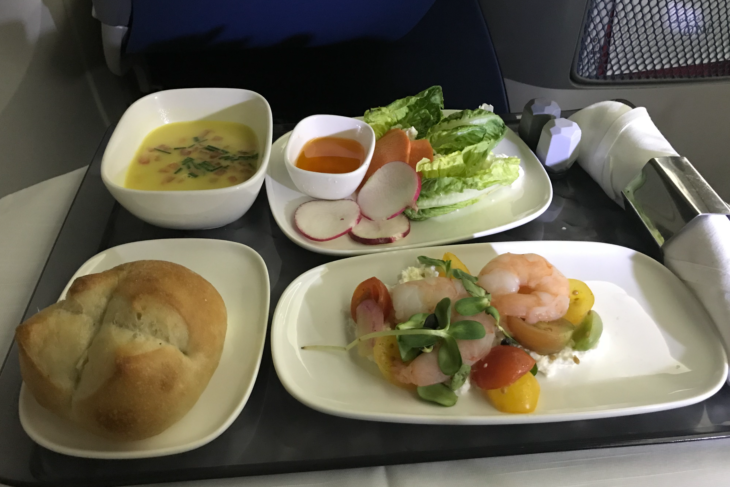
[[393, 188], [326, 220], [371, 232]]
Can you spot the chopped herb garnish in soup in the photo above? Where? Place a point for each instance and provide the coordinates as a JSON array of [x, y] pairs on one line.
[[194, 155]]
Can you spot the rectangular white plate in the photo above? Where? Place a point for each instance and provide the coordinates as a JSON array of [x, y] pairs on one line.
[[659, 349], [240, 276], [506, 208]]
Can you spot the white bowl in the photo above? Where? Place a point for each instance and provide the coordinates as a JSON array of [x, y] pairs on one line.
[[328, 186], [187, 210]]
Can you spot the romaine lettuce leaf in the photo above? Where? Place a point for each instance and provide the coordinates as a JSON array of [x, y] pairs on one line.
[[477, 116], [446, 191], [426, 213], [473, 160], [455, 182], [467, 127], [434, 200], [420, 111]]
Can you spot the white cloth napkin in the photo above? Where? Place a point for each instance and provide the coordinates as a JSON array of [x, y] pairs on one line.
[[617, 142], [700, 255]]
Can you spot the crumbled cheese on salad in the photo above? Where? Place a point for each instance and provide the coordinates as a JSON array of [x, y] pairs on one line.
[[487, 107], [412, 133], [463, 389], [417, 273], [351, 327], [549, 365]]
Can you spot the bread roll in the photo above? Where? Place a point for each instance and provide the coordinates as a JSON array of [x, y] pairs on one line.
[[128, 352]]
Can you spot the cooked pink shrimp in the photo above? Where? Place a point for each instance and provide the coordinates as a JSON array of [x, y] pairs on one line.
[[472, 351], [422, 296], [526, 286], [369, 318], [425, 370]]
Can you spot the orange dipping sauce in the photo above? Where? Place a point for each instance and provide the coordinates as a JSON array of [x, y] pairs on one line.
[[333, 155]]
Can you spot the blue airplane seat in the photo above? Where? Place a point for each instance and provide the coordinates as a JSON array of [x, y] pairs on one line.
[[318, 56], [162, 25]]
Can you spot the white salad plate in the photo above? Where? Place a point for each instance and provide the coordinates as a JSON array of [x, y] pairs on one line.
[[240, 276], [659, 348], [507, 207]]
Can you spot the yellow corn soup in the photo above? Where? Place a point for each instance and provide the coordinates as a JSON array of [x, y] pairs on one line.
[[194, 155]]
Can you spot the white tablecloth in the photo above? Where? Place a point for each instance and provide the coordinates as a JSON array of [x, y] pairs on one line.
[[29, 223]]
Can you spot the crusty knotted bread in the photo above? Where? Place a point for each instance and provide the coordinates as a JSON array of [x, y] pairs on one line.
[[128, 352]]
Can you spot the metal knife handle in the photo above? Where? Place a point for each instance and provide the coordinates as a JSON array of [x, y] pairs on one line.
[[668, 194]]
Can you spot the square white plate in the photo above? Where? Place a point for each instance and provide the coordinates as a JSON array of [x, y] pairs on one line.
[[240, 276], [659, 349], [507, 207]]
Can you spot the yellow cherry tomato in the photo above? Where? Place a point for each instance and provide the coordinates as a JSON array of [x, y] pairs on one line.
[[520, 397], [455, 264], [581, 301], [387, 358]]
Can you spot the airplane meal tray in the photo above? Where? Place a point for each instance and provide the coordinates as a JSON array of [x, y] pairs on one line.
[[276, 434]]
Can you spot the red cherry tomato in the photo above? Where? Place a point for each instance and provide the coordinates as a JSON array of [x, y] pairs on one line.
[[372, 289], [502, 366]]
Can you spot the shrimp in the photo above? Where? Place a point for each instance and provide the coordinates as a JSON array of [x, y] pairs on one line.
[[472, 351], [422, 296], [424, 370], [369, 318], [526, 286]]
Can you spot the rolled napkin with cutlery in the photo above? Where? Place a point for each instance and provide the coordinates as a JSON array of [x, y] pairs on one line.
[[616, 143]]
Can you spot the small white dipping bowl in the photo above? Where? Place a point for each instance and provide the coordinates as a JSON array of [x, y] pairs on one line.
[[187, 210], [321, 185]]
